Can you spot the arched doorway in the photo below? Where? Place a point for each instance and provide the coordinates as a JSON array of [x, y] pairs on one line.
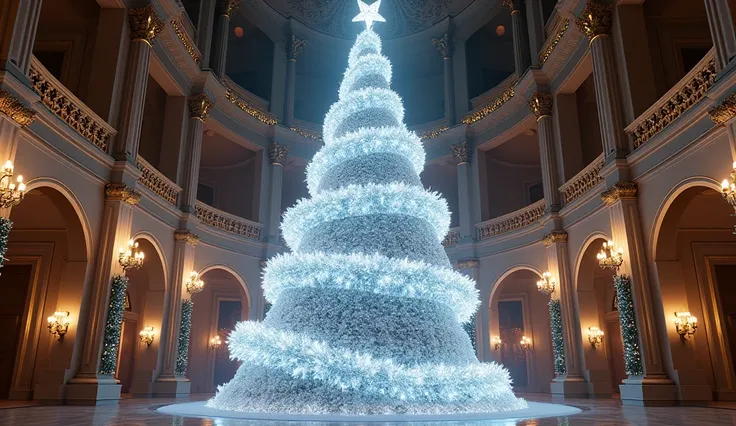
[[45, 272], [138, 363], [597, 305], [223, 303], [695, 261], [517, 310]]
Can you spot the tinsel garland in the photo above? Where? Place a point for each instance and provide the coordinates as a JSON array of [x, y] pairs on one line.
[[266, 308], [185, 330], [113, 325], [5, 225], [558, 345], [469, 328], [629, 329]]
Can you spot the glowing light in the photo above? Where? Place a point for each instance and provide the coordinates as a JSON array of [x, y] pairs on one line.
[[369, 14]]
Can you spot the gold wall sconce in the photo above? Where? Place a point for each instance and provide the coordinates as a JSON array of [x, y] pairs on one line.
[[59, 323], [546, 285], [194, 284], [609, 257], [147, 335], [11, 194], [525, 343], [131, 257], [496, 342], [595, 336], [685, 324], [215, 343]]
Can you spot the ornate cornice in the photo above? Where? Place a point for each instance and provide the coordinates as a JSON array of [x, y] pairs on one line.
[[277, 153], [227, 7], [122, 192], [14, 109], [467, 263], [540, 104], [596, 19], [199, 106], [556, 236], [443, 45], [725, 111], [186, 41], [145, 24], [294, 48], [187, 236], [618, 191], [460, 152]]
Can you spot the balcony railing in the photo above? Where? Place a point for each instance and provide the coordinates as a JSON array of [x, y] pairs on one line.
[[307, 129], [554, 39], [157, 181], [512, 221], [503, 93], [582, 182], [186, 40], [451, 238], [62, 102], [430, 130], [250, 103], [686, 93], [227, 222]]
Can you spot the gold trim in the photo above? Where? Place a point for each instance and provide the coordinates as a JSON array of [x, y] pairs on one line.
[[199, 106], [488, 108], [618, 191], [187, 236], [144, 24], [250, 109], [553, 41], [460, 153], [14, 109], [277, 153], [467, 263], [556, 236], [725, 111], [596, 19], [540, 104], [122, 192], [186, 41]]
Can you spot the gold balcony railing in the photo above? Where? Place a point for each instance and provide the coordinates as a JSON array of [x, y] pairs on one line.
[[307, 130], [227, 222], [451, 238], [549, 46], [249, 103], [62, 102], [512, 221], [157, 181], [496, 98], [186, 39], [582, 182]]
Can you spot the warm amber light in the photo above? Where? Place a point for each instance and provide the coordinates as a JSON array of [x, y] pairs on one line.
[[147, 335], [685, 324], [215, 343], [525, 343], [238, 32], [500, 30], [58, 323], [595, 336], [496, 342]]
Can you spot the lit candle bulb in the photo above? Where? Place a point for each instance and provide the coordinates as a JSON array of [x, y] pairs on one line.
[[8, 167], [725, 185]]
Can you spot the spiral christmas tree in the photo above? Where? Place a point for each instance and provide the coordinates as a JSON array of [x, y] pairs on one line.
[[367, 313]]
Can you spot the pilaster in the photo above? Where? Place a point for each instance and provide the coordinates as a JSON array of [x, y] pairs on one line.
[[721, 31], [19, 35], [541, 106], [276, 155], [293, 49], [205, 27], [521, 42], [224, 10], [462, 156], [535, 27], [199, 108], [444, 46]]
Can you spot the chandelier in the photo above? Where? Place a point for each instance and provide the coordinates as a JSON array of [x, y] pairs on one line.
[[728, 189], [609, 257], [194, 284], [131, 258], [546, 285], [10, 193]]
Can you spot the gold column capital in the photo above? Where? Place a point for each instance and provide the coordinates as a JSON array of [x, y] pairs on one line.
[[618, 191], [556, 236], [145, 24], [540, 104], [277, 153], [187, 236], [199, 106], [122, 192], [512, 5], [294, 48], [227, 7], [14, 109], [443, 45], [460, 152], [725, 111], [596, 19]]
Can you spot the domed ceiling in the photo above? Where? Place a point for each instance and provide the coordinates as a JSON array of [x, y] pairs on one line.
[[403, 17]]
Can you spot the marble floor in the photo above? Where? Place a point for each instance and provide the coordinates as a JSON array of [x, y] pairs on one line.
[[133, 412]]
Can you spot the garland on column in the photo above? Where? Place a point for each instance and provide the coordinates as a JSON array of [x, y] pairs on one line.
[[113, 325], [5, 225], [469, 328], [629, 330], [558, 344], [185, 330]]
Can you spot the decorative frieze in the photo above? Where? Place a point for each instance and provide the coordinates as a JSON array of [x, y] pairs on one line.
[[227, 7], [157, 181], [443, 45], [186, 41], [433, 133], [250, 109], [187, 236], [14, 109], [277, 153], [553, 41], [583, 182], [122, 192], [199, 106], [618, 191], [725, 111], [556, 236], [512, 221], [309, 134], [488, 108], [596, 19], [451, 239], [469, 263], [294, 48], [145, 24], [227, 222], [540, 104], [460, 153]]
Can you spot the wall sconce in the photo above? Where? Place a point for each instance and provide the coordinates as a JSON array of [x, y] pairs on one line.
[[595, 336], [59, 323], [728, 189], [546, 285], [496, 342], [147, 335], [685, 324], [215, 343], [609, 257], [525, 343], [10, 193], [131, 258], [194, 284]]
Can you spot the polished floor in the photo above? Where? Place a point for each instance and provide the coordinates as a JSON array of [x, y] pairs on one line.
[[133, 412]]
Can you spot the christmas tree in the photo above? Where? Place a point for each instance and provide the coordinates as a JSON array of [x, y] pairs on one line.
[[367, 314]]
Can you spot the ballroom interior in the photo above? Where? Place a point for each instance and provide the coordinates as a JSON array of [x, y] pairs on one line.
[[586, 150]]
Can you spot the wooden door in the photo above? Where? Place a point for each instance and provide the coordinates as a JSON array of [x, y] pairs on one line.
[[14, 283]]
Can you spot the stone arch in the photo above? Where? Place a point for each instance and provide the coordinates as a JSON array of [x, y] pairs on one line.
[[232, 272]]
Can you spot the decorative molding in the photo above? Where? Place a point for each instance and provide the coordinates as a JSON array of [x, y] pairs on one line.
[[157, 181], [460, 152], [451, 239], [484, 110], [552, 42], [187, 236], [725, 111], [188, 43], [277, 153], [540, 104], [556, 236], [512, 5], [309, 134], [433, 133], [227, 7], [227, 222], [512, 221], [443, 45], [122, 192], [582, 182], [199, 106], [294, 48], [467, 263], [14, 109], [596, 19], [145, 24], [250, 109], [618, 191]]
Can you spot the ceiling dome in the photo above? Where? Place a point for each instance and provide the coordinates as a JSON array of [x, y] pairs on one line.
[[403, 17]]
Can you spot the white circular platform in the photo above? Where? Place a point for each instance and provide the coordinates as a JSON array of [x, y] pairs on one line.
[[535, 410]]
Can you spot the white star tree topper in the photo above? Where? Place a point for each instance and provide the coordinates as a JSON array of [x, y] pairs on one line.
[[369, 14]]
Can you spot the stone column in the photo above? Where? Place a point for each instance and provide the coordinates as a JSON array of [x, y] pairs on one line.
[[535, 25], [88, 385], [205, 26], [460, 77], [276, 156], [721, 31], [225, 9], [199, 107], [16, 41], [444, 46], [627, 235], [293, 49], [144, 24], [521, 43], [462, 156], [595, 22], [541, 105]]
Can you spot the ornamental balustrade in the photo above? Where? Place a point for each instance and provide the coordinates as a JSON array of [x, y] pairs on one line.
[[431, 130], [227, 222], [451, 238], [157, 181], [686, 93], [307, 130], [512, 221], [186, 39], [249, 103], [553, 40], [70, 109], [582, 182]]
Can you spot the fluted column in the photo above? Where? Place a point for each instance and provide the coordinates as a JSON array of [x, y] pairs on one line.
[[541, 106], [444, 46], [595, 22], [144, 24], [205, 27], [199, 108], [535, 26], [225, 9], [293, 49], [276, 157], [462, 156], [521, 43], [721, 31], [16, 40]]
